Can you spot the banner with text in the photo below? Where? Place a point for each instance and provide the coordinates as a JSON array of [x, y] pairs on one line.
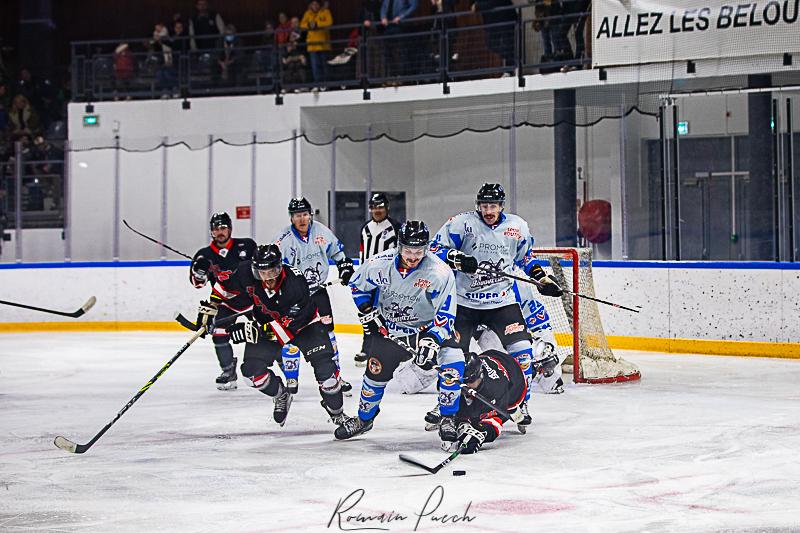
[[641, 31]]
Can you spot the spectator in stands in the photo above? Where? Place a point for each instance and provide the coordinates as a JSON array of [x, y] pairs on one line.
[[580, 9], [205, 24], [124, 68], [393, 13], [51, 157], [23, 118], [500, 38], [283, 30], [180, 44], [161, 48], [370, 15], [229, 59], [293, 59], [316, 20]]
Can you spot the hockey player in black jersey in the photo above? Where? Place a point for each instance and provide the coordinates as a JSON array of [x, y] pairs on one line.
[[378, 234], [213, 264], [499, 379], [281, 305]]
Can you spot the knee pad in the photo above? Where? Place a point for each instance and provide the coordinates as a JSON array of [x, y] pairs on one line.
[[332, 385]]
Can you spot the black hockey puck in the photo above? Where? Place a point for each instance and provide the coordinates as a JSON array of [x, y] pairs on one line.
[[459, 472]]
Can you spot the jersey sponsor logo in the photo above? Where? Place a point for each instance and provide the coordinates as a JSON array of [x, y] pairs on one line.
[[320, 240], [243, 254], [493, 247], [485, 295], [499, 367], [374, 366], [293, 349], [489, 370], [396, 297], [422, 283], [514, 233], [395, 313], [485, 279], [223, 252], [516, 327], [313, 274], [381, 280]]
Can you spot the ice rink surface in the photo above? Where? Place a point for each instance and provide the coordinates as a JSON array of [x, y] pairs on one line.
[[702, 443]]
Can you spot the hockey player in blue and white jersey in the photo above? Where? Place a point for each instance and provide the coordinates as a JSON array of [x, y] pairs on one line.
[[307, 246], [407, 298], [478, 244]]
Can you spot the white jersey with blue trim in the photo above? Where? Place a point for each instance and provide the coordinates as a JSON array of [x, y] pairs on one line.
[[310, 255], [500, 247], [422, 298]]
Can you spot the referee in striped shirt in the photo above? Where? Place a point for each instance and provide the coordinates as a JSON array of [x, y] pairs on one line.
[[378, 234]]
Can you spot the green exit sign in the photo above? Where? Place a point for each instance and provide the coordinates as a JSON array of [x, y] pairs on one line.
[[91, 120], [683, 128]]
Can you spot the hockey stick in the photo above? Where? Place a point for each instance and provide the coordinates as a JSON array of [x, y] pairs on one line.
[[155, 241], [487, 270], [432, 470], [75, 314], [188, 324], [72, 447]]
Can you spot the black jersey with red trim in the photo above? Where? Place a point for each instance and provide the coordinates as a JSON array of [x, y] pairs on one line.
[[503, 384], [224, 262], [287, 306]]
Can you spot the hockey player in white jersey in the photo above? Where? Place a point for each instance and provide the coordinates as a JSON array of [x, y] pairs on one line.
[[308, 246], [478, 244], [378, 234], [408, 298]]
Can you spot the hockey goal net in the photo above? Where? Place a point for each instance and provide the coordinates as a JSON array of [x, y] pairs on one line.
[[576, 321]]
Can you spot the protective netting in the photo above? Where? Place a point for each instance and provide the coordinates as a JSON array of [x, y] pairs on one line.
[[592, 361]]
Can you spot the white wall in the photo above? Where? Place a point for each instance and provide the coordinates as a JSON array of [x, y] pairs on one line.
[[677, 302]]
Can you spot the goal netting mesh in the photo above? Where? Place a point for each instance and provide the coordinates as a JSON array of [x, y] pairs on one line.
[[576, 321]]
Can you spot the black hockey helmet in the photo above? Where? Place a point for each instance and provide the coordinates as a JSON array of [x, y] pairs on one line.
[[491, 193], [414, 233], [299, 205], [220, 219], [377, 200], [266, 264], [473, 368]]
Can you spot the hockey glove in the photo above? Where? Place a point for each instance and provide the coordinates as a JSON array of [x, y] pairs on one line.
[[462, 262], [346, 270], [548, 286], [199, 271], [372, 321], [470, 438], [427, 348], [244, 332], [205, 316]]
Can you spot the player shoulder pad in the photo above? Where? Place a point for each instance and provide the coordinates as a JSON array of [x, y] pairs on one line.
[[382, 258], [439, 267], [283, 234], [461, 216]]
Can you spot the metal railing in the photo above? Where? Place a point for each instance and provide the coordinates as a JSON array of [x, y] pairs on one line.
[[434, 49]]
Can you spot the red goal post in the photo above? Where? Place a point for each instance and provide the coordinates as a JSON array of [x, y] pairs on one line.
[[576, 321]]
